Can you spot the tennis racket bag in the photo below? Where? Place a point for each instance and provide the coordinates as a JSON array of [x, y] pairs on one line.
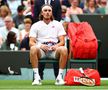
[[83, 41], [75, 77]]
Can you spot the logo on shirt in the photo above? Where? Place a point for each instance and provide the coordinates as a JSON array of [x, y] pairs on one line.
[[53, 26]]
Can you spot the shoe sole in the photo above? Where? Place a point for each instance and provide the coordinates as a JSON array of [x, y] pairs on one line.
[[36, 84], [60, 84]]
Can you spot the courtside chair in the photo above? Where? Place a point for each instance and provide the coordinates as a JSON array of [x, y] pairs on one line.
[[85, 63]]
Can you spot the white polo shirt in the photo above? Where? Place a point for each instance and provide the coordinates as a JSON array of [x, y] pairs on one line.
[[47, 32]]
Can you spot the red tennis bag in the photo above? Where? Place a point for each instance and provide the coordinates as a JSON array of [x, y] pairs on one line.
[[83, 41], [72, 76]]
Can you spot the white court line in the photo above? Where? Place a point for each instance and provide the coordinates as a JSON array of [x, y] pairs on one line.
[[104, 78]]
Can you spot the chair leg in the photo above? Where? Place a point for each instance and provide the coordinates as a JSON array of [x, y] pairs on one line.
[[33, 77]]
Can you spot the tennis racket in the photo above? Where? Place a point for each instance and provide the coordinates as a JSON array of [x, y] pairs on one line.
[[85, 80]]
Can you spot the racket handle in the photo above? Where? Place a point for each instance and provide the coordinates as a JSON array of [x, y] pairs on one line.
[[81, 70]]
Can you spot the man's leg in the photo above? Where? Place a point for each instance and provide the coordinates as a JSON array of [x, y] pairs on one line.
[[62, 54], [35, 54]]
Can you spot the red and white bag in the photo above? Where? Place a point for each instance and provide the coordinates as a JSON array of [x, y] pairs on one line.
[[73, 76], [83, 41]]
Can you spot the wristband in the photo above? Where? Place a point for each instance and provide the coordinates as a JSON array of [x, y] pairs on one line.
[[38, 45]]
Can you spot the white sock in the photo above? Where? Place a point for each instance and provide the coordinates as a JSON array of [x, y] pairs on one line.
[[36, 73], [60, 74]]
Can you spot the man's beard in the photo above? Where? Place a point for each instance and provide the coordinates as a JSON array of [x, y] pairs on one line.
[[47, 18]]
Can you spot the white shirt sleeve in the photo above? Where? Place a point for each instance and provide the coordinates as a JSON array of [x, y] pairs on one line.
[[61, 30], [33, 31]]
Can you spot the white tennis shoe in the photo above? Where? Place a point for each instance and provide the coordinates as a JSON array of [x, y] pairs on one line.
[[36, 82], [60, 82]]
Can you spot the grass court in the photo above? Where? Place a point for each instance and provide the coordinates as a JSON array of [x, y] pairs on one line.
[[46, 85]]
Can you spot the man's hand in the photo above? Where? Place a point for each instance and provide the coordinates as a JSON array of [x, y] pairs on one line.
[[45, 47], [54, 47]]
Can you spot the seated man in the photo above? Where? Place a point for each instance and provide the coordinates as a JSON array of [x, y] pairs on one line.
[[44, 36]]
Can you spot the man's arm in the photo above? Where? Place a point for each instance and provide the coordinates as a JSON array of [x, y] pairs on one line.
[[32, 41], [61, 42]]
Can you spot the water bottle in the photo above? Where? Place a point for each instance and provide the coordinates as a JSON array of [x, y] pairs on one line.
[[12, 46], [48, 54]]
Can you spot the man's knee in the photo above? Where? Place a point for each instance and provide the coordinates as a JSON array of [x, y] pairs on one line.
[[63, 49], [34, 50]]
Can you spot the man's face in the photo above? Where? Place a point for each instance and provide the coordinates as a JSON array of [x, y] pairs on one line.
[[47, 12], [8, 22]]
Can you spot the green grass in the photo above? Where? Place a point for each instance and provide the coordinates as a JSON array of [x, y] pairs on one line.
[[46, 85]]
